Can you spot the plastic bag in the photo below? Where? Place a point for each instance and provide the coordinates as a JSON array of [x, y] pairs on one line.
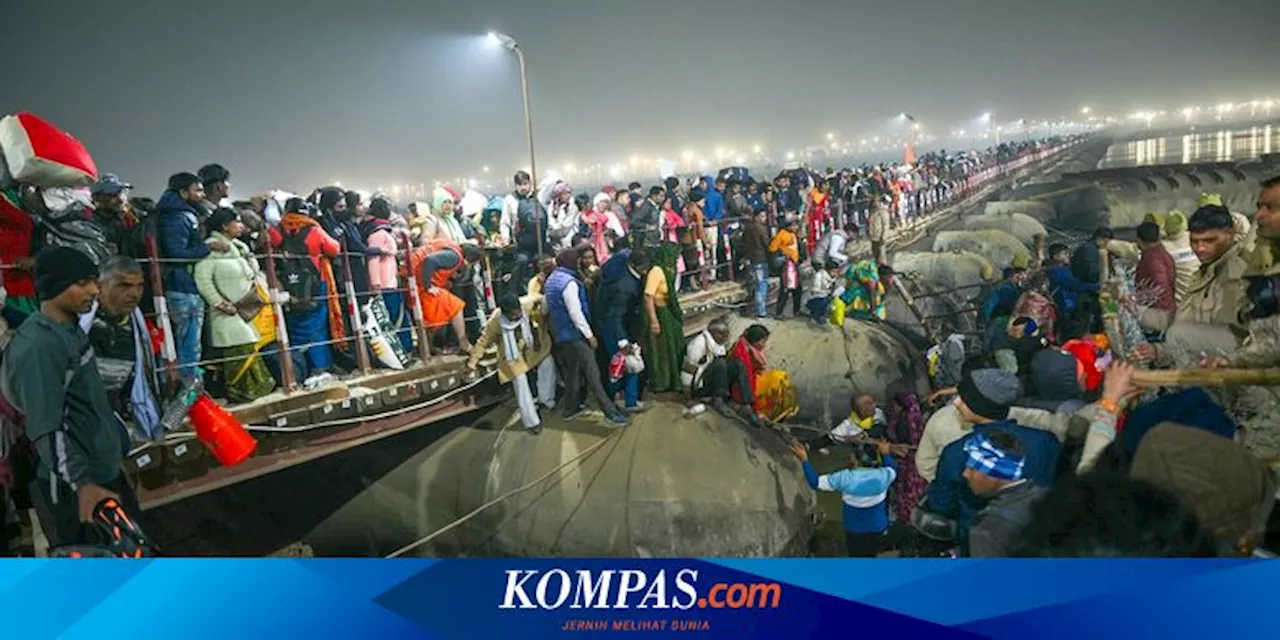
[[837, 311]]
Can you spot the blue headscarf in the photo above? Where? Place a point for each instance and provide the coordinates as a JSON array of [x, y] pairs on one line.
[[990, 461]]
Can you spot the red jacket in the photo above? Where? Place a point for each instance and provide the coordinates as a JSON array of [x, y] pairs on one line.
[[1155, 278], [16, 230]]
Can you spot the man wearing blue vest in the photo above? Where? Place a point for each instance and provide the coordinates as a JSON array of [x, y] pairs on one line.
[[575, 343]]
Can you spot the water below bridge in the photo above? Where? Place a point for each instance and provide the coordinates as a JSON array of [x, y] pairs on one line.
[[1238, 143]]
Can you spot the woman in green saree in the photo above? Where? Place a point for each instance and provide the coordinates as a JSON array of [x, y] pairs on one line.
[[664, 335]]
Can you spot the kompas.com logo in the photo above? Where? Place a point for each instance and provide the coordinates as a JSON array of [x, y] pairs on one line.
[[631, 589]]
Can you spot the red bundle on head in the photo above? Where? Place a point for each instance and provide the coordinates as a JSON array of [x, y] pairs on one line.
[[40, 154]]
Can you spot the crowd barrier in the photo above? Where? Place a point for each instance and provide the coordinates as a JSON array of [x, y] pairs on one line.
[[910, 210]]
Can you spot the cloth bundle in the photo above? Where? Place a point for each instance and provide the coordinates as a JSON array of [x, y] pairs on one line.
[[40, 154]]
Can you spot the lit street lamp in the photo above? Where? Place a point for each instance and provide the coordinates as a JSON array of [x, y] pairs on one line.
[[507, 42], [915, 128], [986, 118]]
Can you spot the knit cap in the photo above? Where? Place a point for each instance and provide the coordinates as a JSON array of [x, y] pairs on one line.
[[57, 268], [1216, 478], [1054, 376], [989, 392]]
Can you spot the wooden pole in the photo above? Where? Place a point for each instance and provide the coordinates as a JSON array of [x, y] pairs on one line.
[[911, 304], [168, 349], [1106, 294], [353, 310], [424, 337], [1207, 378], [282, 328]]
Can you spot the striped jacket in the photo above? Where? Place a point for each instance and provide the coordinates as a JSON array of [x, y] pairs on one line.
[[865, 493]]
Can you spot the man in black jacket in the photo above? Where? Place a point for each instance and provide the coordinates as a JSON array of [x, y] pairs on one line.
[[646, 219], [617, 307], [1086, 262], [1086, 266]]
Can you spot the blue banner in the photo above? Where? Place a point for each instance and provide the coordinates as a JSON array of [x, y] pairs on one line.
[[739, 599]]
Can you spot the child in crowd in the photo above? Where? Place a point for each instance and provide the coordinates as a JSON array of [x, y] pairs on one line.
[[864, 488], [787, 243], [824, 282]]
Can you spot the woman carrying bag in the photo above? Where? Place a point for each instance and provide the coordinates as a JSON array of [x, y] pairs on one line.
[[228, 281]]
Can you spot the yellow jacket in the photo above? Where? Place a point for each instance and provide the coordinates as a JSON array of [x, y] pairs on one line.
[[531, 355], [786, 242]]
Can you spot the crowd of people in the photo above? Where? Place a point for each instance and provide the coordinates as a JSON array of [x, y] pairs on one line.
[[1058, 437], [123, 302]]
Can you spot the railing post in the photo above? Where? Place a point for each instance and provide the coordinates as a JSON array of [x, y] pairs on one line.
[[840, 212], [282, 328], [168, 350], [728, 249], [489, 298], [424, 342], [353, 308], [702, 258]]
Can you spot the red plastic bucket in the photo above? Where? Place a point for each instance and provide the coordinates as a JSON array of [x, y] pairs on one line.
[[220, 432]]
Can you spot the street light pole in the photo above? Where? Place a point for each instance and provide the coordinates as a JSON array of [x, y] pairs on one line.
[[533, 158], [915, 128], [510, 44]]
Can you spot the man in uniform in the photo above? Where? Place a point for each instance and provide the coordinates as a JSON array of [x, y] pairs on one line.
[[1258, 408], [1208, 321]]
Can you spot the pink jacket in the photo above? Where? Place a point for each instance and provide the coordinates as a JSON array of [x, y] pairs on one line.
[[382, 269]]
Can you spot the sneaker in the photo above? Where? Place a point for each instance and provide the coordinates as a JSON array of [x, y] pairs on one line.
[[533, 431], [576, 414], [317, 381], [616, 417], [639, 408]]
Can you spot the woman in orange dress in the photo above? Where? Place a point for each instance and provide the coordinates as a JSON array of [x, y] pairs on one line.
[[434, 265]]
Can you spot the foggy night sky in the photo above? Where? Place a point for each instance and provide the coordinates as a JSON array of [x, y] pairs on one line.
[[298, 94]]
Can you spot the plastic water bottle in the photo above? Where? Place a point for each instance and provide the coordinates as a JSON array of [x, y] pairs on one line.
[[695, 410], [175, 410]]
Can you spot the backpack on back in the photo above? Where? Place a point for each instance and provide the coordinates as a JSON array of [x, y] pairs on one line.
[[77, 232], [298, 274]]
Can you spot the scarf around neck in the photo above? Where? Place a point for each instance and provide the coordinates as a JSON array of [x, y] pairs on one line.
[[510, 344]]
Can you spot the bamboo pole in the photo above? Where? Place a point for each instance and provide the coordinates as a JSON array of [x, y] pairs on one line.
[[1106, 295], [1207, 378], [911, 304]]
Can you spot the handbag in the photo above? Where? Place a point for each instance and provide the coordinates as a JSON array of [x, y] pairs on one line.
[[251, 304]]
